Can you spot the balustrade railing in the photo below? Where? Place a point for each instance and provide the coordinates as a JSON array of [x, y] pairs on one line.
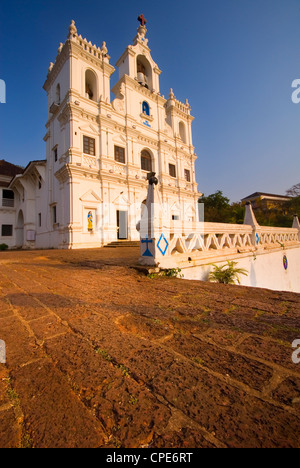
[[163, 236], [204, 237]]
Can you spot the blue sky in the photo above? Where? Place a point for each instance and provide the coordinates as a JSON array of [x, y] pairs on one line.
[[234, 60]]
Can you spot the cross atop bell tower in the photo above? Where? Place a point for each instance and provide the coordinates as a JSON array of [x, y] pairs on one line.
[[142, 20], [137, 63], [141, 32]]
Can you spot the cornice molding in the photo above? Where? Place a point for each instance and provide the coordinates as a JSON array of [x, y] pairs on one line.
[[57, 66]]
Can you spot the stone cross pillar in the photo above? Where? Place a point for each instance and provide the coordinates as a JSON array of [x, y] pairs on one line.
[[154, 242]]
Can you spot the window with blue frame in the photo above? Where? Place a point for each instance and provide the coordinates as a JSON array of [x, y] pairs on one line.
[[146, 108]]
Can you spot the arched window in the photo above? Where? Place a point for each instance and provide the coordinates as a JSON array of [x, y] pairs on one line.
[[140, 67], [146, 108], [90, 85], [146, 161], [141, 74], [182, 132], [144, 72]]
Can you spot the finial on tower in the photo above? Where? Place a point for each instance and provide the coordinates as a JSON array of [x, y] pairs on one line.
[[104, 48], [141, 32], [72, 29], [50, 67], [142, 20]]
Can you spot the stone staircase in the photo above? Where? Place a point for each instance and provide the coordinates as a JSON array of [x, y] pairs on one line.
[[122, 244]]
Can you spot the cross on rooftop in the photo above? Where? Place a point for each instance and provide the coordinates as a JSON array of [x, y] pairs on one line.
[[142, 20]]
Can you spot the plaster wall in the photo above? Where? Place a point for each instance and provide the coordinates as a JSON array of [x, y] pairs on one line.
[[7, 217], [266, 270]]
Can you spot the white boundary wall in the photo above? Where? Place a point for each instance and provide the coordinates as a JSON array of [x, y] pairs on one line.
[[266, 269]]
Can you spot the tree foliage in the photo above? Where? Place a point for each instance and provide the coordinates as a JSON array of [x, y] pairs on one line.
[[294, 191], [280, 216], [217, 209]]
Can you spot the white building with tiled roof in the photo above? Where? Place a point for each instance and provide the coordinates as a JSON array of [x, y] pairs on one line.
[[7, 203]]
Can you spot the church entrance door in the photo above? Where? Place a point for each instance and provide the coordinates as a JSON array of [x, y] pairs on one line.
[[122, 224]]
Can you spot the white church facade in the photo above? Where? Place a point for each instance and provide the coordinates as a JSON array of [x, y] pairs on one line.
[[90, 189]]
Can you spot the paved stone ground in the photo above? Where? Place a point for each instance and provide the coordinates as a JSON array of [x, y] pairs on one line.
[[100, 356]]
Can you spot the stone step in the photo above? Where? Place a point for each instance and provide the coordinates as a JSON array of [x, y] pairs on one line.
[[123, 244]]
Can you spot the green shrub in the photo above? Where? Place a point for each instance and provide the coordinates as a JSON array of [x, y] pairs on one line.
[[3, 247], [227, 274], [171, 273]]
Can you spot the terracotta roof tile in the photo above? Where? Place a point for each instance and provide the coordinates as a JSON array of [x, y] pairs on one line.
[[8, 169]]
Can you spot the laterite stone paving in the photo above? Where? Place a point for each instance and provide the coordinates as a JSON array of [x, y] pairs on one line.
[[99, 355]]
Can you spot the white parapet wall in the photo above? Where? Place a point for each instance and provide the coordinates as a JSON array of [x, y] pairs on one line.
[[277, 269], [271, 255]]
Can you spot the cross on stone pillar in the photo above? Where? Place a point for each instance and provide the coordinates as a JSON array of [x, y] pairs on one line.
[[154, 229], [142, 20], [147, 252]]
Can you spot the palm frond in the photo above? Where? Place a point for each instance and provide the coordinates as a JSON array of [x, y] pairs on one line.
[[227, 273]]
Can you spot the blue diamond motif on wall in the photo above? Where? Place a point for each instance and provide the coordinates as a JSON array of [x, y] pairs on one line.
[[160, 243]]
